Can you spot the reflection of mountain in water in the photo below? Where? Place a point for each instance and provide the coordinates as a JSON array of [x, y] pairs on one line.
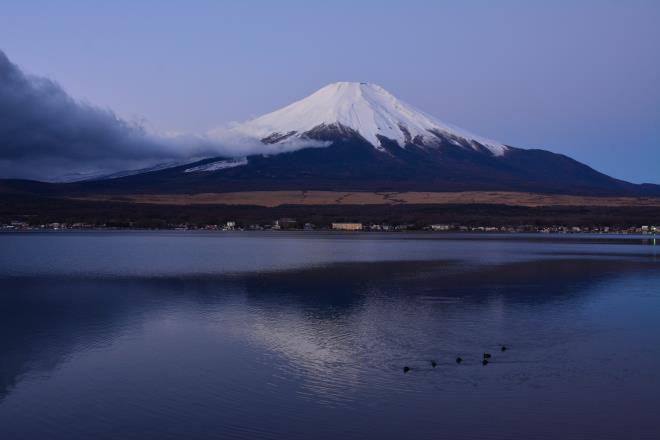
[[320, 319]]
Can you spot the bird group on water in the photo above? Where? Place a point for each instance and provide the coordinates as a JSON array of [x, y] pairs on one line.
[[485, 360]]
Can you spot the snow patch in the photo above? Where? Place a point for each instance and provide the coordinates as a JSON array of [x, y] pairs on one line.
[[217, 166]]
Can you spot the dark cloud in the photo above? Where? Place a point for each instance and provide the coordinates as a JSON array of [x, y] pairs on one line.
[[45, 134]]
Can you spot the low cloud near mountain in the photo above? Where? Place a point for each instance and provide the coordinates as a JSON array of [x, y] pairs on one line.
[[46, 134]]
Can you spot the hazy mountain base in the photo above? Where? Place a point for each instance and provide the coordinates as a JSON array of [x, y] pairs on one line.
[[352, 165]]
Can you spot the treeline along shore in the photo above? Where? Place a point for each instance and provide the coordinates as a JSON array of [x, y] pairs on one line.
[[35, 210]]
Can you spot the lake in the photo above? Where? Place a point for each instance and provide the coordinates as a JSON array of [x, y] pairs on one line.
[[300, 335]]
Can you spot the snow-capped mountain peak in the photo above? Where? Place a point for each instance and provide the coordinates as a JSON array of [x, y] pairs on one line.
[[367, 109]]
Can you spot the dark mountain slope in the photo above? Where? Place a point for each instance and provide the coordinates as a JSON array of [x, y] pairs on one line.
[[354, 165]]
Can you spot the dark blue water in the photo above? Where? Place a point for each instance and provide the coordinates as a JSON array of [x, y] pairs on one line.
[[134, 335]]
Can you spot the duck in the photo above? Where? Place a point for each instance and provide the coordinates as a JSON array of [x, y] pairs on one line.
[[459, 360], [434, 364], [406, 369], [484, 362], [487, 356], [503, 348]]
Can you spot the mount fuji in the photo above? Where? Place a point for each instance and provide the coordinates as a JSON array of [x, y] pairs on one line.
[[356, 136], [366, 111]]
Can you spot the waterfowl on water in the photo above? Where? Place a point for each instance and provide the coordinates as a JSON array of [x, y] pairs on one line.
[[484, 362], [459, 360], [434, 364], [503, 348], [487, 356], [406, 369]]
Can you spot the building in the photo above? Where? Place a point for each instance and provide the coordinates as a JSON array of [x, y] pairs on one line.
[[440, 227], [347, 226]]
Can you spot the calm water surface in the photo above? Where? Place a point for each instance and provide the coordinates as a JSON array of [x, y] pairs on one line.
[[171, 335]]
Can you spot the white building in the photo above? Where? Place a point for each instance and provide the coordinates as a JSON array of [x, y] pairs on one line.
[[440, 227], [347, 226]]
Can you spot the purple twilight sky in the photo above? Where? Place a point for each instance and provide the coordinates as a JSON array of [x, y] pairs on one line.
[[575, 77]]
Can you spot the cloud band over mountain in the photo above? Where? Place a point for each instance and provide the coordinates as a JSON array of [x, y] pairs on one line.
[[46, 134]]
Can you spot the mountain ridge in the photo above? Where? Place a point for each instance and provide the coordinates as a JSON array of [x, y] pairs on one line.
[[359, 137]]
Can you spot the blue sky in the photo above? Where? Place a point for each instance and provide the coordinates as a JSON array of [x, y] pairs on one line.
[[579, 77]]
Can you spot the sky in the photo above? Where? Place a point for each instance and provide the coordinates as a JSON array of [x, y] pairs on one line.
[[580, 78]]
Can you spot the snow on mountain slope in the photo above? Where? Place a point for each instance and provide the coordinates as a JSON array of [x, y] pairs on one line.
[[218, 165], [365, 108], [101, 175]]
